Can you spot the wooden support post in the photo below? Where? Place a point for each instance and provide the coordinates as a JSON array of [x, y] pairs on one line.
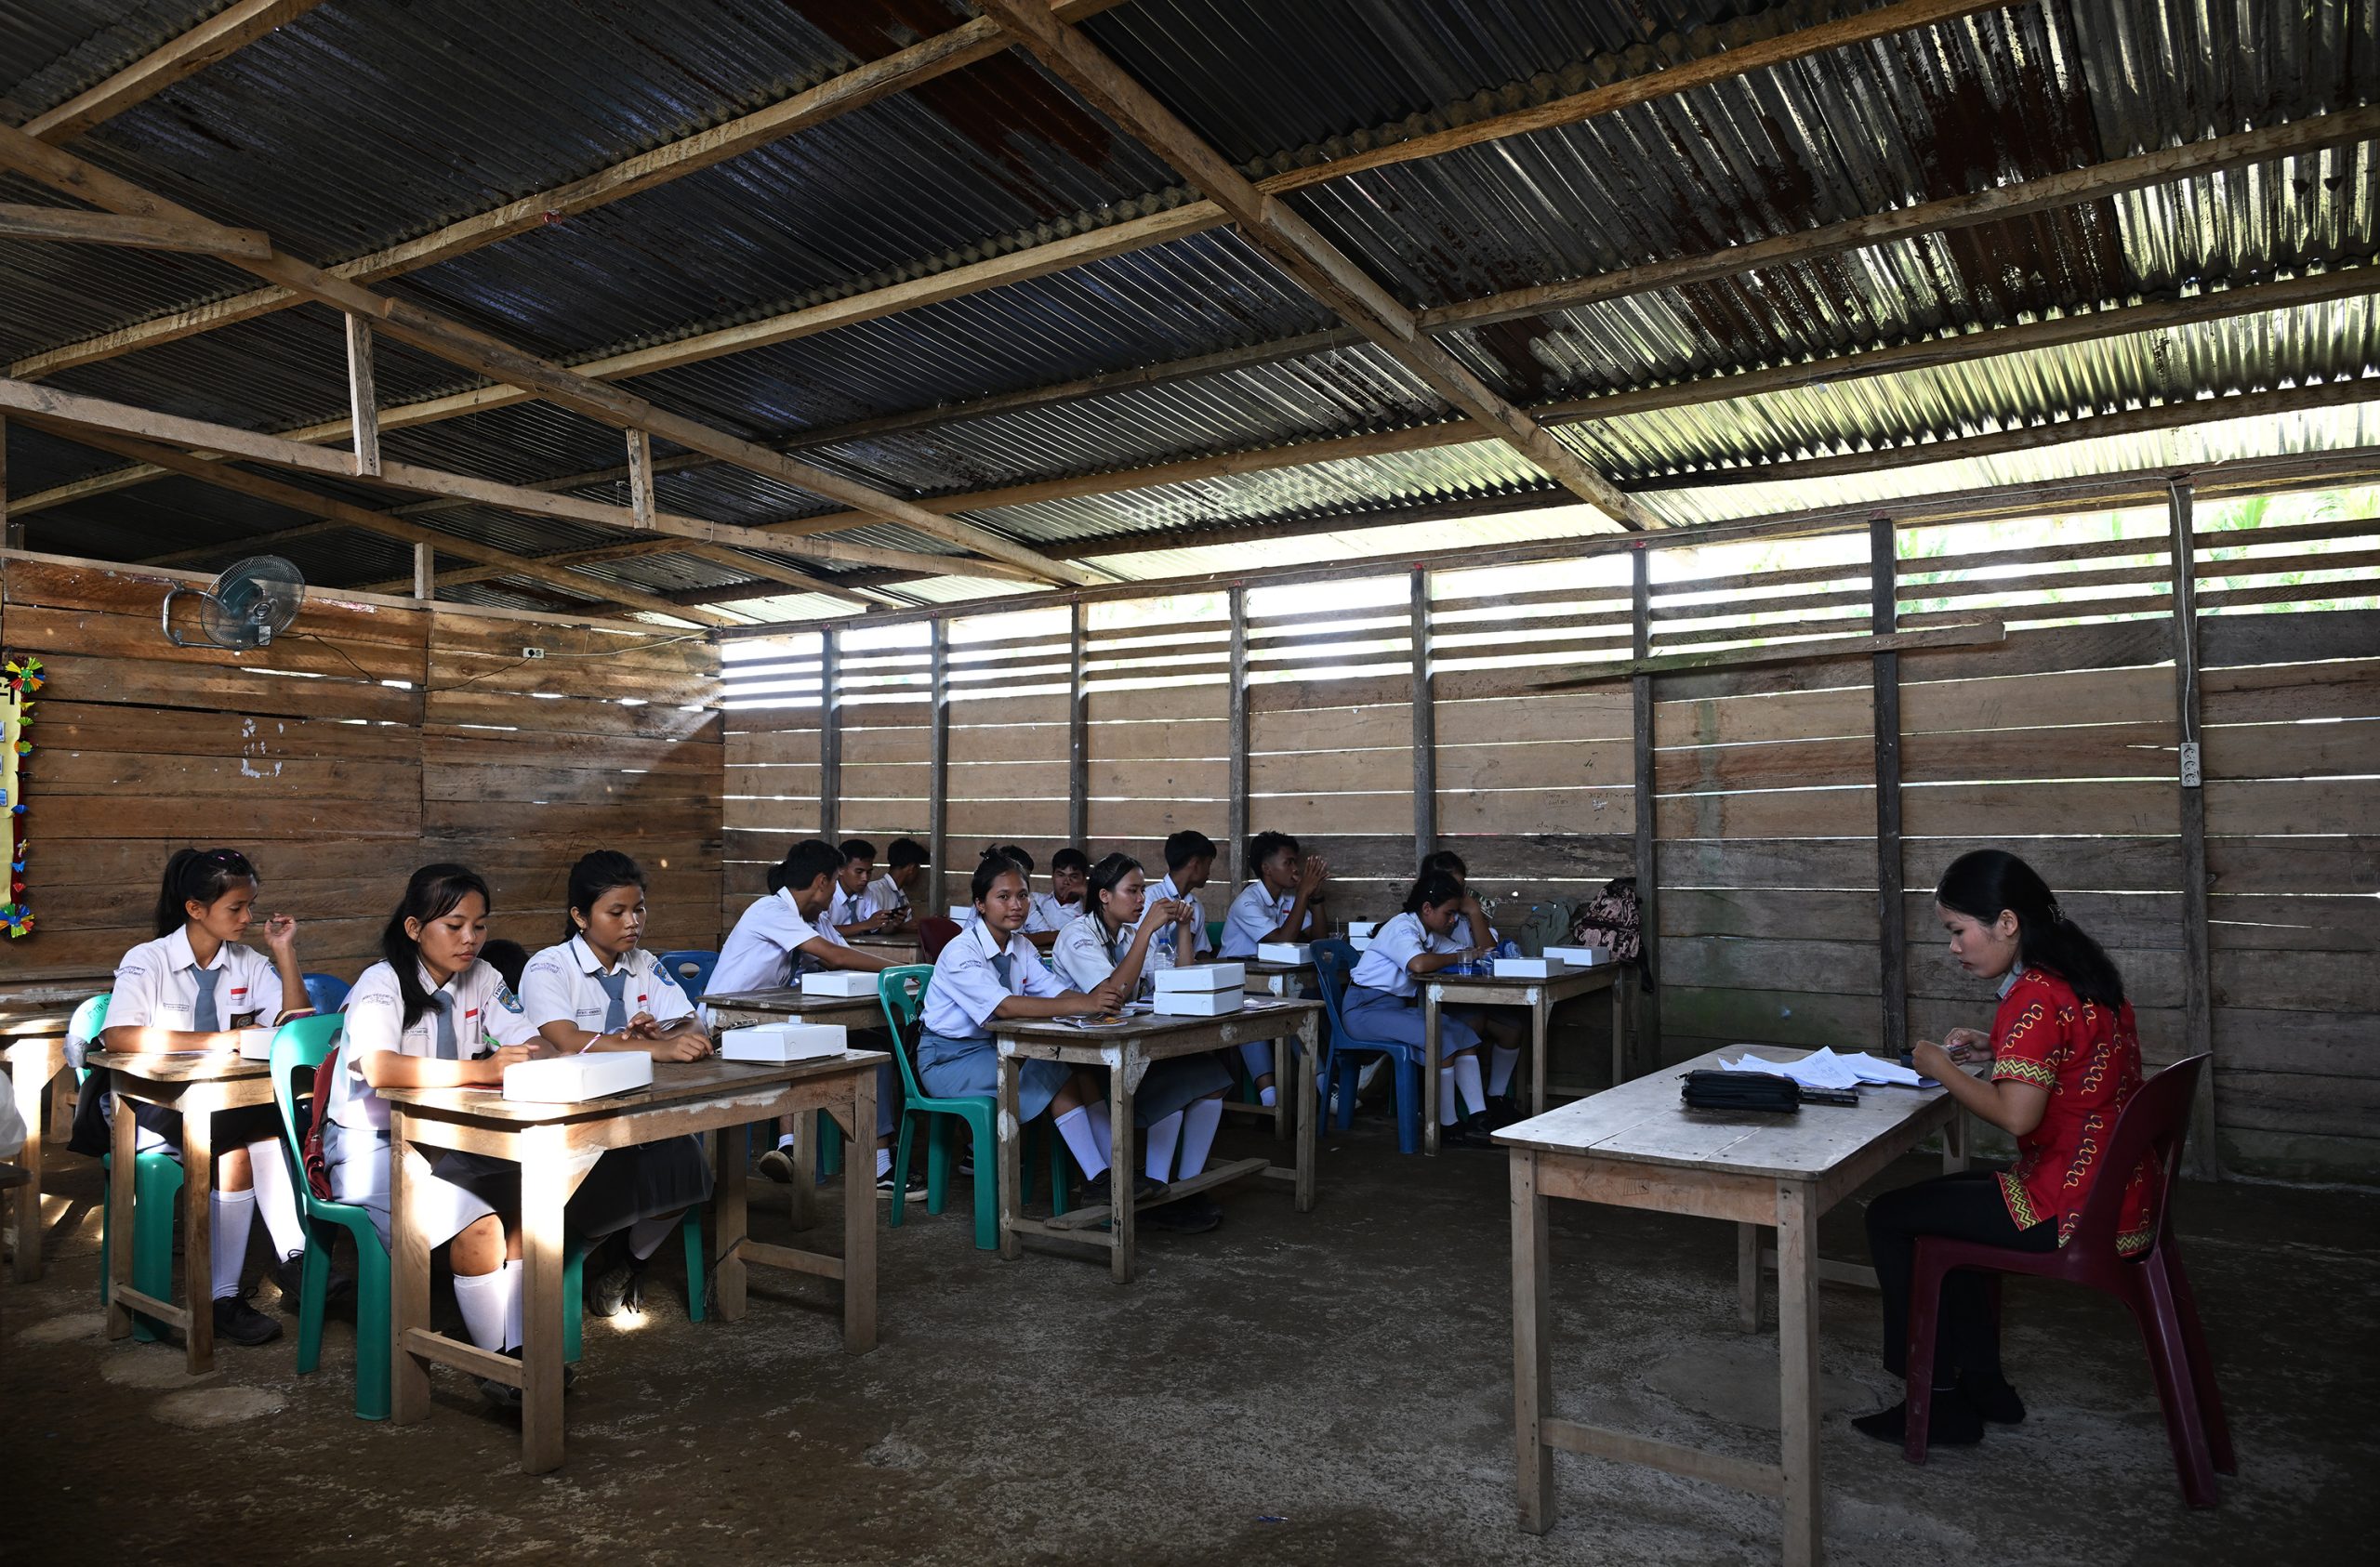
[[425, 570], [830, 738], [2198, 1031], [12, 534], [1237, 739], [1425, 726], [363, 398], [640, 496], [1892, 932], [938, 797], [1646, 1046], [1078, 730]]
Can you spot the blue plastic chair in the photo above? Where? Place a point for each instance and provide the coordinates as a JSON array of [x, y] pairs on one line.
[[326, 993], [691, 968], [1334, 961], [156, 1179]]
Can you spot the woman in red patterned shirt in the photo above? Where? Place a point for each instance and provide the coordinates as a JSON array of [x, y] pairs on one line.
[[2065, 1059]]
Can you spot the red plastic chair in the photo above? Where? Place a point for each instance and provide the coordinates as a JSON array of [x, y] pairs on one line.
[[2152, 1284], [935, 932]]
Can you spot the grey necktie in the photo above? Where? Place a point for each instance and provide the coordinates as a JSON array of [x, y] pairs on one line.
[[615, 1008], [202, 1015], [1000, 963], [443, 1005]]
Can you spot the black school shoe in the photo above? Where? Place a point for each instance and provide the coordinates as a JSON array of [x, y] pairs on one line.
[[1953, 1422], [1993, 1399], [618, 1288], [1470, 1132], [1502, 1111], [236, 1322], [1100, 1191], [1193, 1215], [289, 1275]]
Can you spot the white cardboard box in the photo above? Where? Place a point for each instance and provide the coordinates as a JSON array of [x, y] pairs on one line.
[[256, 1044], [1361, 943], [777, 1044], [1359, 928], [1581, 958], [963, 915], [1285, 952], [1203, 978], [842, 982], [1529, 968], [569, 1079], [1198, 1002]]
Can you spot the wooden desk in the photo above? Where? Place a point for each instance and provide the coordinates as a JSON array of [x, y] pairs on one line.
[[893, 949], [1291, 982], [36, 1054], [1540, 997], [1637, 1147], [555, 1145], [784, 1004], [1126, 1052], [201, 1086]]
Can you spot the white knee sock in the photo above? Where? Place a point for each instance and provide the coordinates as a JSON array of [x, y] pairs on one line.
[[1270, 1095], [784, 1142], [515, 1286], [1466, 1077], [1199, 1123], [485, 1306], [883, 1163], [1446, 1095], [269, 1168], [1089, 1149], [646, 1234], [1162, 1137], [1100, 1126], [1500, 1070], [233, 1213]]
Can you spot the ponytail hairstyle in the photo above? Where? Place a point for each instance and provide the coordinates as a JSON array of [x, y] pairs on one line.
[[431, 894], [994, 865], [1982, 883], [1432, 889], [1447, 859], [595, 874], [198, 875], [1105, 876]]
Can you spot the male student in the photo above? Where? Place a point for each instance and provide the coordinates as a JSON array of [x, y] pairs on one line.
[[853, 910], [1189, 861], [905, 864], [1283, 901]]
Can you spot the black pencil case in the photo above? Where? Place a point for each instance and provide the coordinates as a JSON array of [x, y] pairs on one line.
[[1739, 1090]]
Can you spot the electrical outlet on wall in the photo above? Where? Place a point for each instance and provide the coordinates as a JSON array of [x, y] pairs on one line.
[[2191, 779], [533, 653]]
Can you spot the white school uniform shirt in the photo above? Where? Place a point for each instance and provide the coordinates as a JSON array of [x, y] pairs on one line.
[[764, 951], [966, 989], [486, 1015], [566, 985], [847, 909], [1253, 916], [1083, 955], [1382, 966], [1163, 941], [1047, 914], [887, 893], [1462, 937], [154, 987]]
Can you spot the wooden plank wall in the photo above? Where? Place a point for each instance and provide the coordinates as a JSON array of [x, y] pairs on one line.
[[1159, 753], [771, 767], [365, 742]]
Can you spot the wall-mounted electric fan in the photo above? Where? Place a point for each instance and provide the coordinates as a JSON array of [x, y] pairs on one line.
[[250, 603]]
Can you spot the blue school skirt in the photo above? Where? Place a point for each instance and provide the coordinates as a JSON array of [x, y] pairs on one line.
[[965, 1069], [1375, 1014], [645, 1181]]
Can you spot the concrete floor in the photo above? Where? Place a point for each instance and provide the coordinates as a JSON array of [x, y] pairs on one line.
[[1331, 1388]]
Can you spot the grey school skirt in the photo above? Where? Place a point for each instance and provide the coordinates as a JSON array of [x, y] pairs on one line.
[[626, 1184]]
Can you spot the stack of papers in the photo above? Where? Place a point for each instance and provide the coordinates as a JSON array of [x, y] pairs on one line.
[[1830, 1069]]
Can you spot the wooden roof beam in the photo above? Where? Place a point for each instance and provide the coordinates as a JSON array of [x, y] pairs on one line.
[[20, 222], [225, 33]]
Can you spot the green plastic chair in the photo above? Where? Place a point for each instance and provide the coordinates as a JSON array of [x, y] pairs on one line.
[[156, 1181], [1215, 935], [304, 1045], [902, 993]]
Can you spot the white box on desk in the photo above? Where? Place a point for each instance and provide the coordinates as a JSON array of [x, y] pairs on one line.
[[1198, 1002], [1545, 967], [1358, 929], [256, 1044], [1284, 952], [963, 915], [845, 983], [570, 1079], [1201, 978], [1581, 958], [775, 1043]]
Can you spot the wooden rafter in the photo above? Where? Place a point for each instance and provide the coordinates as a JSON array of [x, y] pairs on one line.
[[228, 31], [19, 221]]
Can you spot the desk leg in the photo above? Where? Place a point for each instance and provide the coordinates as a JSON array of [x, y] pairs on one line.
[[118, 1262], [1284, 1074], [1618, 1029], [1797, 1355], [859, 1219], [1123, 1159], [198, 1227], [1309, 1106], [1532, 1358], [1541, 1013], [545, 1191], [28, 1094], [1748, 1277], [1954, 1142], [731, 1220], [408, 1276], [1430, 996], [1011, 1134], [802, 1198]]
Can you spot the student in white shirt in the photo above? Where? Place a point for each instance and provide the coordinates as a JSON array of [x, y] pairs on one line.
[[191, 989], [990, 971], [1069, 881], [1180, 1103], [782, 938], [1189, 861], [1383, 999], [433, 1015], [853, 909], [1502, 1028], [1043, 917], [600, 990], [905, 867], [1284, 903]]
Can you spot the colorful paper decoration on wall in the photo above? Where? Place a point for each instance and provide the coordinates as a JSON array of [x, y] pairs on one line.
[[24, 678]]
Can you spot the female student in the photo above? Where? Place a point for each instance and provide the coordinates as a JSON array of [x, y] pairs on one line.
[[1499, 1025], [1284, 903], [1383, 999], [192, 989], [991, 971], [783, 937], [1180, 1101], [432, 1014], [600, 990], [2065, 1059], [1043, 917]]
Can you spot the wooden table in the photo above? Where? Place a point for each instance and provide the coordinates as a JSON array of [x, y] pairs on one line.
[[893, 949], [1637, 1147], [1540, 997], [784, 1004], [555, 1145], [1291, 982], [36, 1054], [201, 1086], [1125, 1050]]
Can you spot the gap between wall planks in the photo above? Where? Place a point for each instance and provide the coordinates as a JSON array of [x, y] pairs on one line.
[[339, 782], [1884, 578]]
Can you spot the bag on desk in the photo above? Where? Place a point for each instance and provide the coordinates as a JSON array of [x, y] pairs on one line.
[[1738, 1091]]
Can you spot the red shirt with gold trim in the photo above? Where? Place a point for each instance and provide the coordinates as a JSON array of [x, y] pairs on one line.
[[2088, 1057]]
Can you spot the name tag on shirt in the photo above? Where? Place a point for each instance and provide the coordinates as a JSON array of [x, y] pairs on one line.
[[171, 1017]]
